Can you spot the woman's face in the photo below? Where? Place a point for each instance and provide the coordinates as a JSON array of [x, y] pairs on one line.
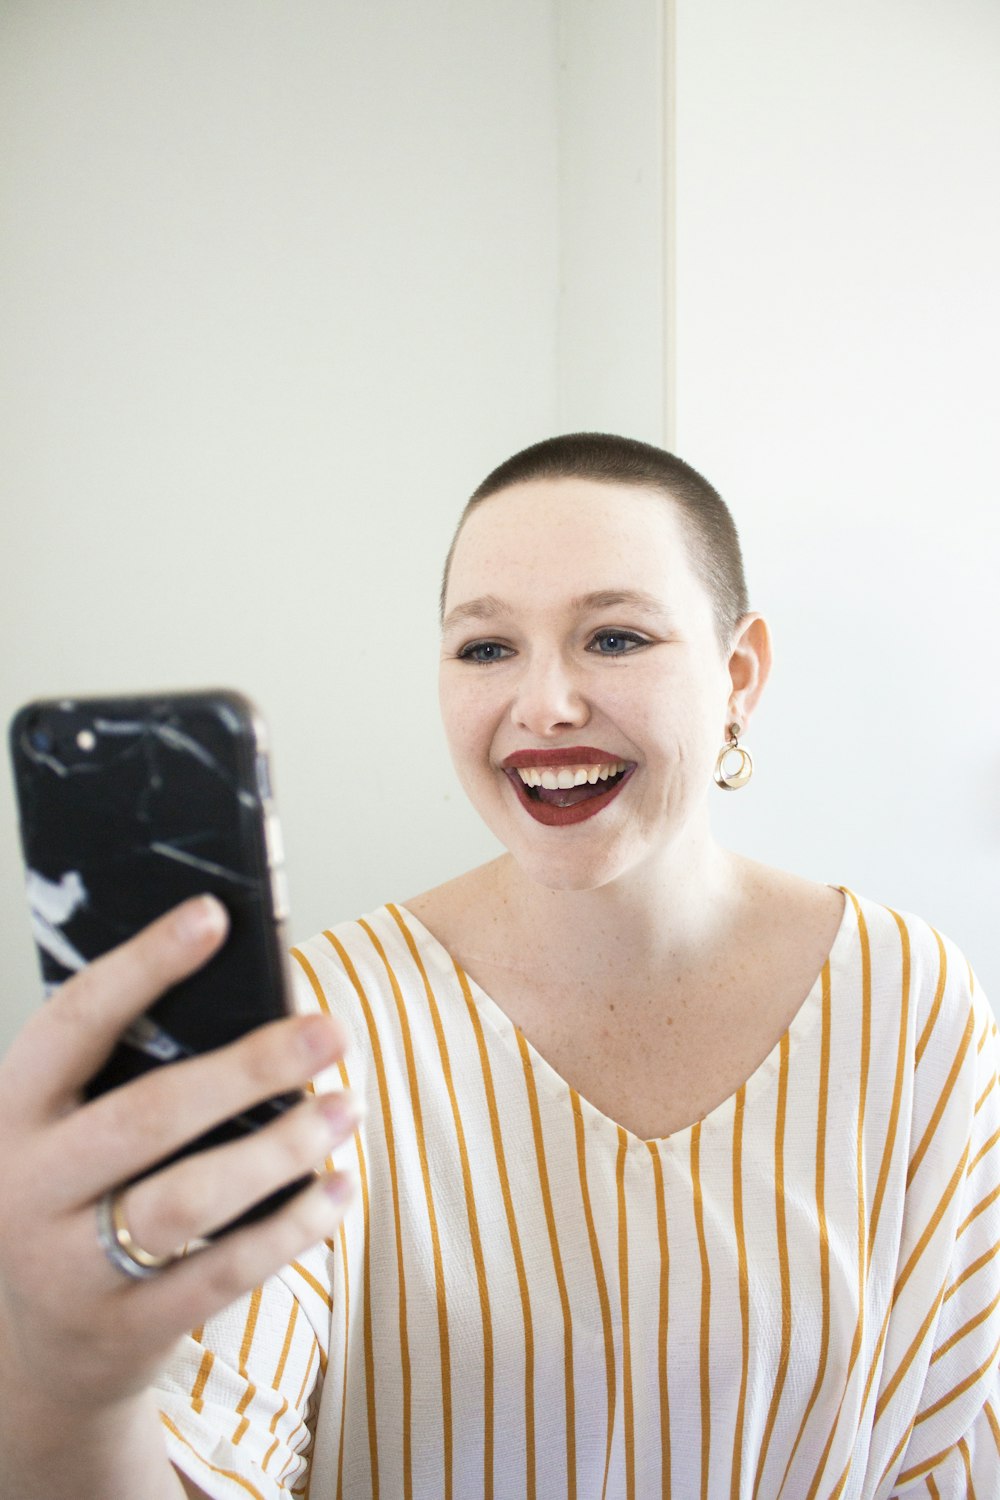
[[584, 691]]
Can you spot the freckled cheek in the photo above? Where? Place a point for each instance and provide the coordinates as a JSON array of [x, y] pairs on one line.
[[470, 715]]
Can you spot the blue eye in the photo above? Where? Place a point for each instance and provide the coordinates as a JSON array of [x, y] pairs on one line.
[[616, 642], [483, 653]]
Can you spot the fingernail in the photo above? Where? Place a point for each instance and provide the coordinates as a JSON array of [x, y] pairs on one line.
[[339, 1186], [344, 1108], [201, 918], [320, 1039]]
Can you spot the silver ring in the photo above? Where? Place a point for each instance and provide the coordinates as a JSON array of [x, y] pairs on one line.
[[116, 1241]]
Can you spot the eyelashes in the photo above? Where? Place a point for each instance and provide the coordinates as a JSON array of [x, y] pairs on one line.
[[627, 640], [605, 642], [484, 653]]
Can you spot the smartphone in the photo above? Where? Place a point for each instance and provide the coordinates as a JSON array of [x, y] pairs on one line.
[[128, 806]]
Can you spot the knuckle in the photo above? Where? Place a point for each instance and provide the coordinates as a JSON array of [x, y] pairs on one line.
[[260, 1057], [189, 1211], [271, 1058], [280, 1154], [139, 1113]]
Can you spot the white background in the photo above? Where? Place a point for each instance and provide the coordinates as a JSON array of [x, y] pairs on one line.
[[838, 322], [279, 284]]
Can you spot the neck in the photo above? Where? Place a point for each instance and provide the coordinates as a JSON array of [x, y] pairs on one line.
[[659, 918]]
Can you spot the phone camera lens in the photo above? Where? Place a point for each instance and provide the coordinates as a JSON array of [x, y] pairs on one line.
[[40, 740]]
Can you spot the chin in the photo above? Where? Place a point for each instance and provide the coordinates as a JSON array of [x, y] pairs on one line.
[[582, 857], [568, 869]]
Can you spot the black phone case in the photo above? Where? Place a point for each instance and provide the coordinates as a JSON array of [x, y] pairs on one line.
[[127, 807]]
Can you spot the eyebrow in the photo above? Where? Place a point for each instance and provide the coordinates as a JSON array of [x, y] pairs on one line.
[[490, 607]]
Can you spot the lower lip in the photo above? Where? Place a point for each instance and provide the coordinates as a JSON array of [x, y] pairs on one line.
[[559, 817]]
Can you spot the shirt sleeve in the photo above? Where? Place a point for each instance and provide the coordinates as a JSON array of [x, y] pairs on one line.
[[240, 1398], [953, 1450], [236, 1401]]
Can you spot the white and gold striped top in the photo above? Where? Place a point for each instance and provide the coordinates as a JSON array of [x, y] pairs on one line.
[[798, 1296]]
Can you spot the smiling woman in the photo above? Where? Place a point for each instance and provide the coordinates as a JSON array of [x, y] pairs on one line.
[[680, 1174]]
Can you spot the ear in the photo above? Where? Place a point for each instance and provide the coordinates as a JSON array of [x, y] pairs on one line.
[[749, 666]]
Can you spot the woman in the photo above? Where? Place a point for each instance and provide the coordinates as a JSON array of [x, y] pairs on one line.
[[680, 1175]]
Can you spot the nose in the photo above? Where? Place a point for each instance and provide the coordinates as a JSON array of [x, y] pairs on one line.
[[548, 700]]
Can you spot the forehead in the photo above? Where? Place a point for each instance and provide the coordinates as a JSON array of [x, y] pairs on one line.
[[553, 538]]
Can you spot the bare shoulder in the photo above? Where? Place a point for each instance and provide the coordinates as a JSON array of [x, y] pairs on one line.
[[461, 907]]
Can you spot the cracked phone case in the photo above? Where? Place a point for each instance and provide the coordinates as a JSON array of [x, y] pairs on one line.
[[127, 807]]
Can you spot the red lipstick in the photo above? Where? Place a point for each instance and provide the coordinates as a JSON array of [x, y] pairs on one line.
[[565, 755], [550, 814]]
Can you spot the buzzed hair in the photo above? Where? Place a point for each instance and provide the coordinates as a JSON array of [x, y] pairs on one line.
[[711, 532]]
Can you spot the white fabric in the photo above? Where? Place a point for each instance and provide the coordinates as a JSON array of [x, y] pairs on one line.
[[526, 1300]]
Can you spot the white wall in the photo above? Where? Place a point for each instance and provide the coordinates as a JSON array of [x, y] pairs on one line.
[[613, 196], [838, 321], [281, 284], [279, 287]]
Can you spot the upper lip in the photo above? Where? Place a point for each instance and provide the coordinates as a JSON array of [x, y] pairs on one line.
[[565, 755]]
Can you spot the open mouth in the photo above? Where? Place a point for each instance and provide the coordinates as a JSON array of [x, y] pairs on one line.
[[555, 795]]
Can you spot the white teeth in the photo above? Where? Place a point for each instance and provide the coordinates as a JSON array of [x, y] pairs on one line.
[[561, 778]]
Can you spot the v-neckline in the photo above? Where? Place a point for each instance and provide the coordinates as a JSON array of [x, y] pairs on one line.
[[557, 1087]]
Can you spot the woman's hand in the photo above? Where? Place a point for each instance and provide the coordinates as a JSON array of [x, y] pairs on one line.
[[78, 1337]]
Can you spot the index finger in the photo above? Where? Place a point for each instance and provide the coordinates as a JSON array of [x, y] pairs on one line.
[[67, 1040]]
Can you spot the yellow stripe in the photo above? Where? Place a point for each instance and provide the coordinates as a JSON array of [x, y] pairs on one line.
[[383, 1090], [970, 1490], [959, 1390], [706, 1309], [347, 1344], [786, 1290], [924, 1467], [543, 1178], [859, 1329], [966, 1328], [987, 1091], [984, 1150], [274, 1446], [918, 1250], [470, 1205], [744, 1280], [515, 1239], [201, 1380], [440, 1292], [897, 1088], [991, 1417], [824, 1238], [276, 1384], [628, 1409], [971, 1270], [932, 1224], [980, 1208], [932, 1488], [935, 1010], [943, 1097], [661, 1230], [251, 1390], [310, 1281], [610, 1380], [283, 1358], [226, 1473], [300, 1398], [916, 1343]]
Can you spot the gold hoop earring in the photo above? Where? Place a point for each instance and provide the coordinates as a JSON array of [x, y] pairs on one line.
[[733, 781]]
